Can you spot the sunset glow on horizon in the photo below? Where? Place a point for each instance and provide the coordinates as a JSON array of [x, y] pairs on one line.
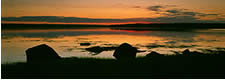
[[16, 22], [107, 12]]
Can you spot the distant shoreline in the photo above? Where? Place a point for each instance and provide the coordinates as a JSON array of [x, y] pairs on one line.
[[155, 26]]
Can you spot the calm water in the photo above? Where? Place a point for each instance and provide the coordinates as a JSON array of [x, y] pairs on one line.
[[66, 42]]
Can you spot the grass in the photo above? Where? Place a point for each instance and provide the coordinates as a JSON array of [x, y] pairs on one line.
[[194, 65]]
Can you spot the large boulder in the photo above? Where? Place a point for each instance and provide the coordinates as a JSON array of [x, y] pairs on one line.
[[125, 52], [41, 54]]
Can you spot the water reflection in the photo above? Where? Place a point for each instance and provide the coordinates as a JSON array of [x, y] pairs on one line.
[[67, 41]]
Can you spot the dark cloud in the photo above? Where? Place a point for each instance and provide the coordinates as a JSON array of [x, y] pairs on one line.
[[175, 12], [166, 10], [136, 7], [159, 7], [184, 19], [179, 19], [171, 5], [155, 8], [204, 15], [189, 13]]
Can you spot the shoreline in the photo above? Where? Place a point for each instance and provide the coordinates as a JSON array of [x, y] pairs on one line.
[[154, 26], [193, 65]]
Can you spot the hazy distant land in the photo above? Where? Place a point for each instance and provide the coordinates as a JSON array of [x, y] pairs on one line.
[[154, 26]]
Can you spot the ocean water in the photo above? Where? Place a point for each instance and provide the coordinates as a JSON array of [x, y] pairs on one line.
[[66, 42]]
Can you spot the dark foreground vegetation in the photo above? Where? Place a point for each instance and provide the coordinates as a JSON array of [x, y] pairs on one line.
[[186, 65]]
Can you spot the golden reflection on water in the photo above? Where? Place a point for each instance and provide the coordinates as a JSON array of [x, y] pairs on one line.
[[210, 40], [70, 46], [15, 42], [119, 39]]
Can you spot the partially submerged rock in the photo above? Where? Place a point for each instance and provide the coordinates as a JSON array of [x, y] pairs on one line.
[[153, 53], [186, 52], [41, 54], [85, 44], [125, 52], [98, 49]]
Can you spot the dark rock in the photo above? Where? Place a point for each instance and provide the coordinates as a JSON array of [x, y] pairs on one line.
[[125, 52], [41, 54], [153, 53], [96, 49], [155, 46], [109, 48], [85, 44], [140, 51], [195, 53], [186, 52], [220, 53]]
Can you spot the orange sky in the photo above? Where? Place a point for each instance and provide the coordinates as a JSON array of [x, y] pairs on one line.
[[15, 22], [114, 9]]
